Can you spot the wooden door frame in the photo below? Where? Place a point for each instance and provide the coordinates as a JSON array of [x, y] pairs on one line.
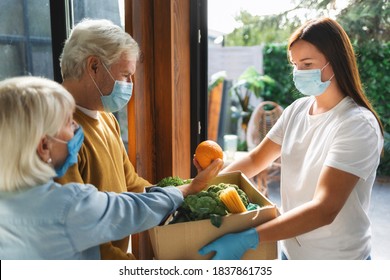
[[159, 118], [159, 113]]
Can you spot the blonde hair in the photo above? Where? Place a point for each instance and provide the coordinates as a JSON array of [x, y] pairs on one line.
[[99, 38], [30, 108]]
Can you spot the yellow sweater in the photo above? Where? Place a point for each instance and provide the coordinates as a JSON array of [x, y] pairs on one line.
[[104, 163]]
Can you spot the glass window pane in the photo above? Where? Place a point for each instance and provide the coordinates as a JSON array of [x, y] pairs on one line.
[[98, 9], [38, 12], [11, 11], [12, 63], [25, 38], [41, 61]]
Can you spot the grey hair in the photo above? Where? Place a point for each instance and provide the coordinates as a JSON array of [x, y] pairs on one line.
[[95, 37], [30, 108]]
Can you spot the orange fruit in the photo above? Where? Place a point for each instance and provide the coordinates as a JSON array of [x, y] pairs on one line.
[[207, 151]]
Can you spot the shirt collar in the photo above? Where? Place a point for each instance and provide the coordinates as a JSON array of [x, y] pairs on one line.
[[91, 113]]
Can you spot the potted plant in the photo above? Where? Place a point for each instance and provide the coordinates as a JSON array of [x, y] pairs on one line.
[[250, 83]]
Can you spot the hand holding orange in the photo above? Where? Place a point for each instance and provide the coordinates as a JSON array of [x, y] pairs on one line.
[[207, 151]]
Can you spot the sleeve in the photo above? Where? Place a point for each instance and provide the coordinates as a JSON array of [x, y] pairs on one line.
[[356, 148], [276, 133], [287, 119], [97, 217]]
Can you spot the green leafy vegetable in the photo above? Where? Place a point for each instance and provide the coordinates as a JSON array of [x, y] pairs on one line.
[[172, 181], [203, 204], [206, 205], [222, 186]]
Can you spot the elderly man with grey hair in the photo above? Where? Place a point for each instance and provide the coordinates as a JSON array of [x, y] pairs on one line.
[[97, 64]]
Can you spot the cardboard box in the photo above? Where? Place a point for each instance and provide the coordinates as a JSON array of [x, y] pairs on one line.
[[182, 241]]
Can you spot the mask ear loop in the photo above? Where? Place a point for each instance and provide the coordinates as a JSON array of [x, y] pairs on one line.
[[96, 85], [108, 71], [324, 68], [105, 67]]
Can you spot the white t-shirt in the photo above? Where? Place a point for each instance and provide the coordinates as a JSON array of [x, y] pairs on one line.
[[348, 138]]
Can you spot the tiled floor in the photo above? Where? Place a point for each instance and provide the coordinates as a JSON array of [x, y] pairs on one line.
[[379, 214]]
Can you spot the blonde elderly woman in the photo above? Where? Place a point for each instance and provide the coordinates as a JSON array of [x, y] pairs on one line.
[[97, 64], [41, 219]]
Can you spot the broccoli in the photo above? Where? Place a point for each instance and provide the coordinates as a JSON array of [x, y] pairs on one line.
[[221, 186], [206, 204], [203, 204], [216, 188], [172, 181], [243, 196]]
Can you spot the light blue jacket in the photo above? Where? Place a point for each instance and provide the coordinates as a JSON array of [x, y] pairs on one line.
[[69, 221]]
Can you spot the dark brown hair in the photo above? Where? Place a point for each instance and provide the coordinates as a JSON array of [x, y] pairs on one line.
[[330, 39]]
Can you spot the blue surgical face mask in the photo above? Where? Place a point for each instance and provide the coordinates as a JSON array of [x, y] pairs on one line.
[[119, 96], [74, 146], [308, 82]]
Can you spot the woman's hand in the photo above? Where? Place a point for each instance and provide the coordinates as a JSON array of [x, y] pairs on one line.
[[232, 246], [199, 183]]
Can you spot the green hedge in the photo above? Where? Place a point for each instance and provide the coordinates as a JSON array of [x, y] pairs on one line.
[[374, 68], [275, 65]]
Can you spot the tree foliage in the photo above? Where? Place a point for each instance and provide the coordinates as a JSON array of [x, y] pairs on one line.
[[362, 19], [367, 20], [261, 29]]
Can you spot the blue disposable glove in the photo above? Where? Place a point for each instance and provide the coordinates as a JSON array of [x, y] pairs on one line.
[[232, 246]]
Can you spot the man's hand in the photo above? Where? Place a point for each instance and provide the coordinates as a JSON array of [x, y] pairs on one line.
[[199, 183]]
